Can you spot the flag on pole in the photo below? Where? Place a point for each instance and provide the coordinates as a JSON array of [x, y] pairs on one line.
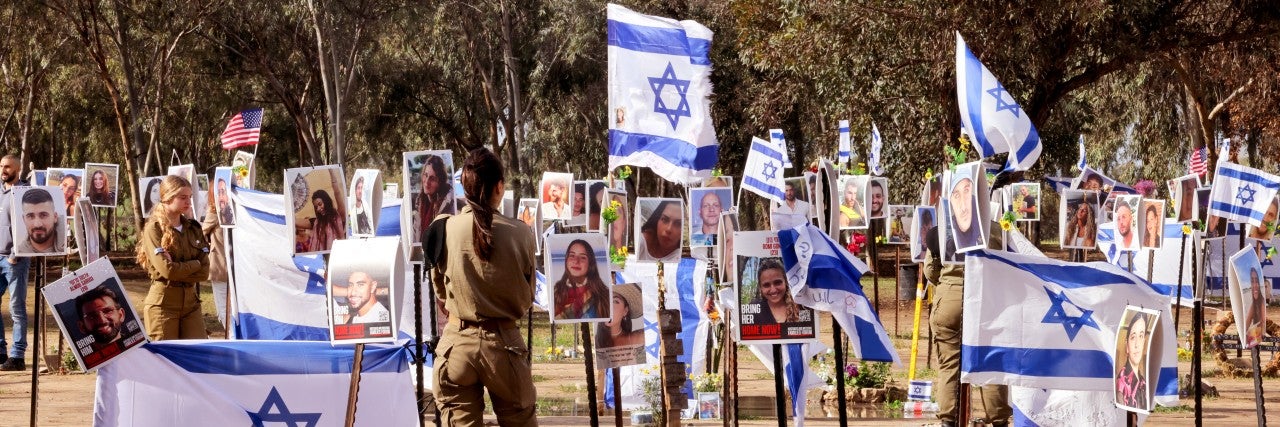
[[243, 130], [659, 83], [873, 162], [778, 139], [823, 276], [1081, 164], [1199, 163], [763, 173], [1242, 193], [842, 156], [991, 117]]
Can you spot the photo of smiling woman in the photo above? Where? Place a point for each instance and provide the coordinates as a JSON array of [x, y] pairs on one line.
[[767, 313], [580, 293]]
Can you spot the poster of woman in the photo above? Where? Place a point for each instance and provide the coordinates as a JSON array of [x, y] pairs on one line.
[[1184, 197], [659, 228], [428, 184], [1152, 223], [620, 340], [1077, 219], [104, 184], [95, 314], [620, 229], [766, 312], [597, 194], [1267, 230], [1133, 373], [724, 253], [1248, 296], [365, 203], [317, 197], [578, 264], [69, 182]]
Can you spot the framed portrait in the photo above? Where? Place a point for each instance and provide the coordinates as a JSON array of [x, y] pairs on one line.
[[86, 233], [39, 224], [315, 201], [1134, 377], [1024, 198], [597, 190], [150, 187], [188, 172], [1267, 230], [724, 251], [708, 405], [620, 340], [766, 312], [577, 268], [897, 229], [95, 314], [926, 219], [224, 206], [1078, 219], [853, 202], [365, 289], [428, 186], [1248, 286], [795, 209], [104, 184], [68, 182], [705, 207], [555, 194], [619, 230], [1151, 223], [877, 197], [365, 204], [1183, 191], [245, 172], [1125, 214], [966, 195], [659, 229]]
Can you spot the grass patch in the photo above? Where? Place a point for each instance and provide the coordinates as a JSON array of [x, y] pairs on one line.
[[539, 378], [1171, 409], [762, 376]]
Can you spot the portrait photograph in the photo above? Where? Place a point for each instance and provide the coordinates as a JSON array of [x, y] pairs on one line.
[[39, 224], [1025, 201], [767, 314], [708, 405], [527, 212], [188, 172], [390, 190], [243, 166], [104, 184], [1267, 230], [428, 186], [1134, 377], [931, 191], [659, 229], [316, 198], [69, 184], [1092, 180], [946, 242], [1125, 214], [223, 206], [705, 207], [150, 187], [365, 203], [1183, 191], [853, 202], [597, 200], [897, 229], [926, 219], [620, 229], [365, 290], [964, 187], [877, 197], [1078, 219], [829, 190], [1151, 223], [1249, 291], [724, 251], [620, 340], [87, 236], [578, 205], [95, 314], [796, 208], [555, 194], [578, 268]]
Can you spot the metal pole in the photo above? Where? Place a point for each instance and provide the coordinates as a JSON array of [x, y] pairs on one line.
[[1197, 333], [36, 352], [841, 404], [780, 395], [419, 354], [1257, 385], [617, 395]]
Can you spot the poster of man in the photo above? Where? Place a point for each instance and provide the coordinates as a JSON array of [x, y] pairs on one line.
[[964, 191], [39, 227], [1026, 201], [95, 314], [1267, 230], [1092, 180], [1126, 218], [877, 197], [243, 166], [724, 253], [926, 219], [659, 229], [1133, 373], [705, 207], [428, 184], [188, 172], [898, 228], [1077, 219], [1152, 223], [223, 205], [365, 289], [578, 264], [795, 208], [103, 184], [317, 199], [68, 183], [365, 203], [555, 196], [86, 232], [766, 312], [1184, 196], [1248, 296], [620, 340]]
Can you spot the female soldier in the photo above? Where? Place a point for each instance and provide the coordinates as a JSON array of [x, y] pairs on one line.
[[174, 252]]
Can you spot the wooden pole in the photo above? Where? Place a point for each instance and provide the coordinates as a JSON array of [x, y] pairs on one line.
[[780, 395], [36, 351], [897, 302], [420, 356], [617, 395], [1197, 334], [591, 375], [354, 391], [1257, 385], [875, 267]]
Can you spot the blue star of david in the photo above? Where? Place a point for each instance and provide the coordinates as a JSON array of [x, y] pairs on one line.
[[652, 349], [682, 88], [770, 170], [1001, 104], [1057, 314], [264, 414], [1245, 195]]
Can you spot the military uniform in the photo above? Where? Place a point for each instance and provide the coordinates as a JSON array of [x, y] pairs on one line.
[[482, 346], [171, 309]]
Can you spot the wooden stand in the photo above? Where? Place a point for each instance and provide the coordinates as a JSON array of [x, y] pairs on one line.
[[353, 392], [672, 372]]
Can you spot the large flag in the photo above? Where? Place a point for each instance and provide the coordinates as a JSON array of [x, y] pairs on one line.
[[263, 383], [659, 83], [990, 115], [873, 161], [842, 155], [1241, 193], [1199, 163], [825, 277], [763, 173], [1044, 323], [244, 129]]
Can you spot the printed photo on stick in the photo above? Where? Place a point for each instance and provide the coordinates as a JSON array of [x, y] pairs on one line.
[[1134, 375], [1078, 219], [365, 289], [150, 187], [926, 220], [1268, 228], [1215, 226], [555, 193], [706, 205], [86, 232], [1152, 220], [1126, 215], [579, 265], [428, 185], [104, 184], [527, 212], [578, 205], [724, 251], [94, 314], [188, 172], [1183, 190], [68, 182], [708, 406], [1026, 201], [945, 241], [620, 340], [365, 203], [877, 197], [317, 199], [659, 228], [1248, 297], [898, 226], [39, 226], [853, 202], [244, 173], [964, 189], [766, 312], [597, 194], [223, 205], [795, 209]]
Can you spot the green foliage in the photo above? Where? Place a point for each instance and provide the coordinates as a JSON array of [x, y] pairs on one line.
[[871, 375]]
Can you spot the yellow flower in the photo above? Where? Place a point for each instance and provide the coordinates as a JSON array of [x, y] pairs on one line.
[[1186, 228], [1006, 225]]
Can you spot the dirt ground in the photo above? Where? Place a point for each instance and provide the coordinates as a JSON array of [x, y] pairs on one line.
[[67, 399]]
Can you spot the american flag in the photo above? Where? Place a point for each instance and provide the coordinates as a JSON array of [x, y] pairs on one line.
[[243, 129], [1199, 161]]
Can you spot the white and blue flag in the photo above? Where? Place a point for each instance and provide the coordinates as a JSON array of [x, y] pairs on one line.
[[990, 115], [248, 383], [659, 83], [824, 276], [1036, 322], [1081, 163], [763, 172], [779, 139], [873, 161], [1164, 271], [842, 153], [1241, 193]]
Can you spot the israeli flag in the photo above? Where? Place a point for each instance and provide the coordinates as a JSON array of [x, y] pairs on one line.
[[659, 83], [823, 276], [873, 163], [1164, 271], [990, 115], [1036, 322], [1081, 164], [1059, 183], [778, 139], [763, 172], [842, 154], [262, 383], [1242, 193]]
